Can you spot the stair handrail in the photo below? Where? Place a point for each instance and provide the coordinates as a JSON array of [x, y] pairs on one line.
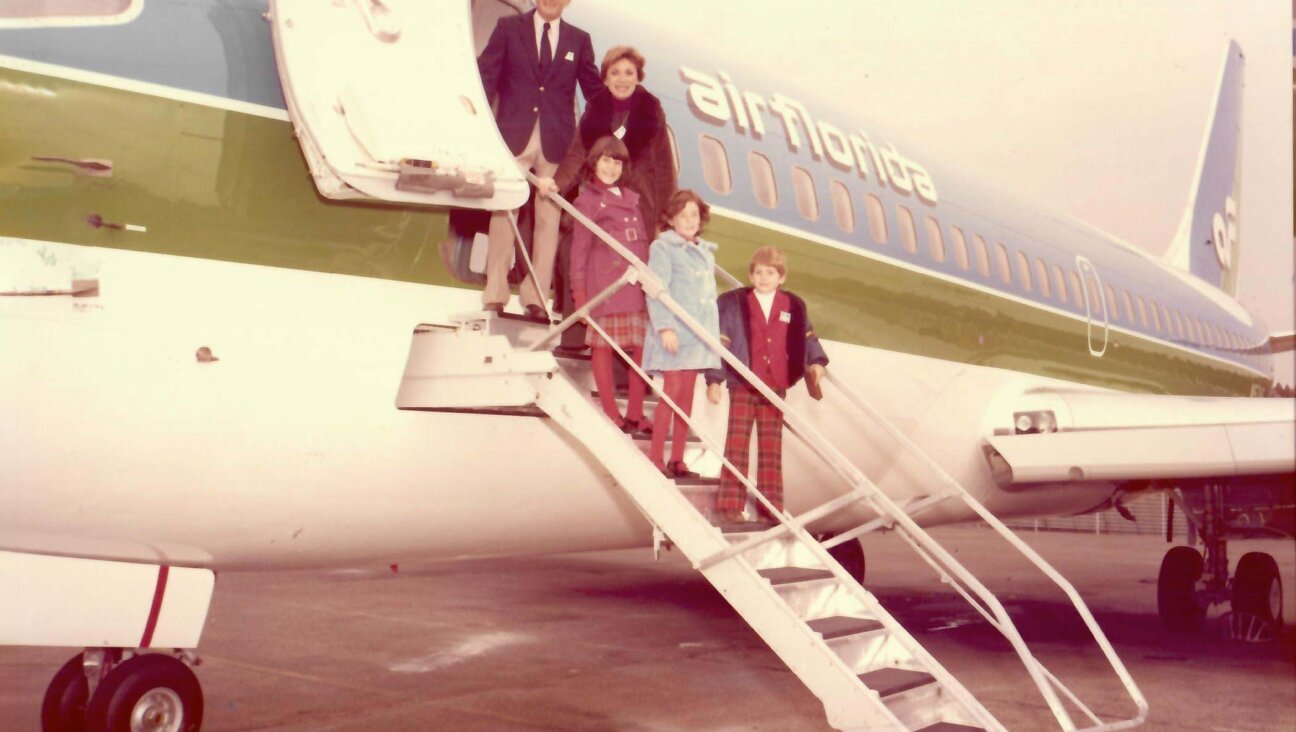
[[833, 457]]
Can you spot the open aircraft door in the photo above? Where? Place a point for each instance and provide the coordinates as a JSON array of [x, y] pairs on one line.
[[387, 103], [1095, 307]]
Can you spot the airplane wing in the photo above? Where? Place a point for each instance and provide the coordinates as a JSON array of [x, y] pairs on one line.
[[1282, 342], [1126, 437]]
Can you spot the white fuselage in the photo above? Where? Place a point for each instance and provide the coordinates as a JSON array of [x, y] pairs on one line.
[[289, 451]]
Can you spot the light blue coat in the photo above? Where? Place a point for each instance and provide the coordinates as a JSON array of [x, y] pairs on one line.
[[687, 271]]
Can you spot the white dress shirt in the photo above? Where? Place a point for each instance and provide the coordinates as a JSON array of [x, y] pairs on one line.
[[553, 34]]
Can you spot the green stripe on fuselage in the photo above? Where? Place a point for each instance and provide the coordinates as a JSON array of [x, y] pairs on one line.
[[232, 186]]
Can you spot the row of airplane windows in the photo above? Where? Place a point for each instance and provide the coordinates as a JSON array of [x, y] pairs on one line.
[[1137, 311]]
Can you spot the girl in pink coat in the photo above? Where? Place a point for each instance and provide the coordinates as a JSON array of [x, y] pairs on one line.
[[594, 266]]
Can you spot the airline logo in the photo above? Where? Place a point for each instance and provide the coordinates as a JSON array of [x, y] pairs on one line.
[[715, 99], [1224, 233]]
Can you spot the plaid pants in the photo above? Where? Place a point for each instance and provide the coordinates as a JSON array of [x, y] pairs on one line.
[[745, 407]]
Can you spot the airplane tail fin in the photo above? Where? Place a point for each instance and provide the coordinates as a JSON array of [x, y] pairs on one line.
[[1207, 242]]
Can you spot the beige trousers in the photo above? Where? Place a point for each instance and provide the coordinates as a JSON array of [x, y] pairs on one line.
[[544, 240]]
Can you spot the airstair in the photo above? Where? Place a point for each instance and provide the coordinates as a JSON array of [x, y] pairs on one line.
[[866, 669]]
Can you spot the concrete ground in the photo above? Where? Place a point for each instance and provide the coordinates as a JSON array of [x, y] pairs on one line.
[[616, 642]]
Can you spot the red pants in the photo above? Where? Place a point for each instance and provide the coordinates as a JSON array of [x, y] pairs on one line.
[[679, 387], [601, 364], [746, 407]]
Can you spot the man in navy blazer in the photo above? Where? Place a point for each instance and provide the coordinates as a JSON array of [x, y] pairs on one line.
[[531, 66]]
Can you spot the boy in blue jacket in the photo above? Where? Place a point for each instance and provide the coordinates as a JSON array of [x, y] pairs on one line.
[[769, 331]]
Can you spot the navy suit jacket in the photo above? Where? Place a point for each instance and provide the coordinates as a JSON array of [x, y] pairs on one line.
[[510, 71]]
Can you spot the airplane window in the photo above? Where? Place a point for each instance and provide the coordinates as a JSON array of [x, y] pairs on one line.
[[960, 247], [1111, 302], [1142, 310], [1041, 274], [670, 135], [934, 239], [1001, 259], [908, 232], [843, 208], [1059, 282], [1077, 292], [1129, 306], [1156, 316], [982, 255], [876, 217], [1023, 270], [803, 187], [715, 165], [763, 183]]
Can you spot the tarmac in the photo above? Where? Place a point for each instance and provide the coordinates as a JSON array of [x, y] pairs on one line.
[[616, 641]]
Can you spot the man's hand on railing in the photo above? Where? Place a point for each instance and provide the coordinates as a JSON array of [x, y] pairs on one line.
[[713, 393], [545, 186], [669, 340]]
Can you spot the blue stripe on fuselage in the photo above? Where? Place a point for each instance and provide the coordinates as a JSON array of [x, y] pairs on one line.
[[225, 49]]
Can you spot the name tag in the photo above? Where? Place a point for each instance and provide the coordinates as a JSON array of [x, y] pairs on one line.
[[785, 317]]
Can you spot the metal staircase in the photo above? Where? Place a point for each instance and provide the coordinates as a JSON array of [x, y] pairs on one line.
[[867, 670]]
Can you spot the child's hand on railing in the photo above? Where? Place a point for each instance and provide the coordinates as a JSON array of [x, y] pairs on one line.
[[545, 186], [579, 298], [670, 341], [713, 393]]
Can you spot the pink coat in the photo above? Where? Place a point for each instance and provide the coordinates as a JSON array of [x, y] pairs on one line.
[[594, 265]]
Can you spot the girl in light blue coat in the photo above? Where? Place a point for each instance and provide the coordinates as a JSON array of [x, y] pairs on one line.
[[685, 263]]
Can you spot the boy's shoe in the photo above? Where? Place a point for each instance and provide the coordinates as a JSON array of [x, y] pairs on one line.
[[730, 516]]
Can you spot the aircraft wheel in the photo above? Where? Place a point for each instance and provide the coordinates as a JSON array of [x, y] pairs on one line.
[[850, 555], [1257, 588], [1177, 589], [65, 698], [147, 693]]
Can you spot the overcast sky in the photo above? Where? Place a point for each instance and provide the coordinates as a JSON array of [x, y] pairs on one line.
[[1096, 107]]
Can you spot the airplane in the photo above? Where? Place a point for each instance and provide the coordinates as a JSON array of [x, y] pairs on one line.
[[211, 262]]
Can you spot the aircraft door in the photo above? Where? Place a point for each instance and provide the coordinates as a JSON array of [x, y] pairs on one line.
[[387, 103], [1095, 307]]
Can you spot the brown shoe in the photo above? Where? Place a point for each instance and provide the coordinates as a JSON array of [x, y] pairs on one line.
[[494, 307], [535, 312]]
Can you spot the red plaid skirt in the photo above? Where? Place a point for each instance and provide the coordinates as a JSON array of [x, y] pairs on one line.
[[625, 329]]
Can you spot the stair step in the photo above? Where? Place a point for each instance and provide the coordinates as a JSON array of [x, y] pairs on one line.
[[529, 410], [890, 681], [791, 575], [840, 626], [950, 727], [701, 480], [745, 527]]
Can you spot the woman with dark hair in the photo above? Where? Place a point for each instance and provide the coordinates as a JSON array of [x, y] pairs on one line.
[[627, 111], [594, 266]]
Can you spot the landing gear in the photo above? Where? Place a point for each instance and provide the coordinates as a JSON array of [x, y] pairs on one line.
[[65, 698], [1257, 588], [145, 693], [1177, 589], [1190, 584]]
